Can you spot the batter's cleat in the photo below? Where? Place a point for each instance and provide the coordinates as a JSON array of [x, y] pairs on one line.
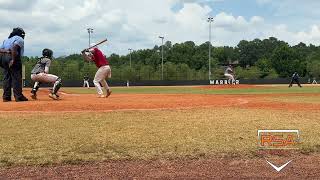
[[34, 96], [101, 96], [108, 93], [53, 96]]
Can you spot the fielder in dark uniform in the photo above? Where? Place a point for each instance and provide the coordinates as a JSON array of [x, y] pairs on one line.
[[295, 78], [11, 52]]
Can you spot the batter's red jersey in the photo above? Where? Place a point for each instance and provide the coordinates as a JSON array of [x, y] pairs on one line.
[[99, 58]]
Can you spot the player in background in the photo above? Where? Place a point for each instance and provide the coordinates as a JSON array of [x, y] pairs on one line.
[[314, 81], [40, 74], [86, 81], [229, 74], [295, 78], [103, 72]]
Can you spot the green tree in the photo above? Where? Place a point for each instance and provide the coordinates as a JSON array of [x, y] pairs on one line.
[[114, 60], [170, 71], [247, 73], [265, 66], [313, 68], [313, 61], [272, 74], [284, 61], [249, 52]]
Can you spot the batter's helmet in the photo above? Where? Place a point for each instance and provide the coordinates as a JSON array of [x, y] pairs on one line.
[[47, 53]]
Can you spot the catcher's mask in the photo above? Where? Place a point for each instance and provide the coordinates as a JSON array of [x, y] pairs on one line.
[[47, 53]]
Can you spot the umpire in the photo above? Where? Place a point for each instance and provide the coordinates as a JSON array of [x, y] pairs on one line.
[[295, 78], [11, 52]]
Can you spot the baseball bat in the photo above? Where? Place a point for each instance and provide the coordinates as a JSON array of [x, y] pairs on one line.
[[103, 41]]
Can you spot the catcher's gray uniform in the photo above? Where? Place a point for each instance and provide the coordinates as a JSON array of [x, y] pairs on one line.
[[39, 74]]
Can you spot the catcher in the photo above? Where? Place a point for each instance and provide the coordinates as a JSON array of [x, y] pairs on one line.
[[39, 74]]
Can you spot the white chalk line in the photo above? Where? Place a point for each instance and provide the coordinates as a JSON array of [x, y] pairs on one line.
[[68, 94]]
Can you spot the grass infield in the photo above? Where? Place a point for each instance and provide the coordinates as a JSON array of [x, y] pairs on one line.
[[49, 138]]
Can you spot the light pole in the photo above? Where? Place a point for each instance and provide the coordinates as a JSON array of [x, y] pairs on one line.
[[90, 30], [210, 20], [161, 37], [130, 55]]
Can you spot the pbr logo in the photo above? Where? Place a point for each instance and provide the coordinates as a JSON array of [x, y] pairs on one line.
[[278, 139]]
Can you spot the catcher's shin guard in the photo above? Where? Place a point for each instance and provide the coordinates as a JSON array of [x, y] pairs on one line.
[[35, 87], [56, 86], [34, 90]]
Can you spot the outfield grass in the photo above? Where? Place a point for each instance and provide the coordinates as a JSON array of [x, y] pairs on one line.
[[196, 90], [46, 138]]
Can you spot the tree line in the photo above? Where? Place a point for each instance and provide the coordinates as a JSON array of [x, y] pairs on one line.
[[267, 58]]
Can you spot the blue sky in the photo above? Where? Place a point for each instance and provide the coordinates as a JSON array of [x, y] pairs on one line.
[[61, 25]]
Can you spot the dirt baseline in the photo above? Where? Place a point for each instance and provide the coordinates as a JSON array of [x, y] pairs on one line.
[[302, 167]]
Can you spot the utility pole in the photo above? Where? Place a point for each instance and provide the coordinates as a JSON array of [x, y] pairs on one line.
[[161, 37], [210, 20], [90, 30], [130, 55]]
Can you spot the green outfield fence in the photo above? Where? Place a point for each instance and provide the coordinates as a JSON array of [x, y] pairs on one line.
[[73, 76]]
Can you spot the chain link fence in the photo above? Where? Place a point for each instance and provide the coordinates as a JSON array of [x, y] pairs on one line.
[[75, 72]]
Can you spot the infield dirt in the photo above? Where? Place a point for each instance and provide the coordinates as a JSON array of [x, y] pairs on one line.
[[117, 102]]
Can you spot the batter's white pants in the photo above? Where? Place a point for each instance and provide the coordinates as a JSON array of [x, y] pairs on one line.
[[230, 77], [44, 78], [100, 77]]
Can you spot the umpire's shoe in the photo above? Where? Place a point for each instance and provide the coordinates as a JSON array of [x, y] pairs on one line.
[[6, 99], [22, 98]]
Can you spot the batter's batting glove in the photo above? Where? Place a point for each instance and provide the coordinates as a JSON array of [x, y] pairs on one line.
[[85, 50]]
